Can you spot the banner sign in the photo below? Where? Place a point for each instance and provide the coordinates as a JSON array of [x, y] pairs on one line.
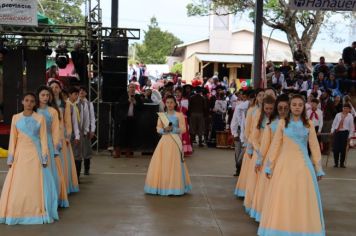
[[18, 12], [323, 5]]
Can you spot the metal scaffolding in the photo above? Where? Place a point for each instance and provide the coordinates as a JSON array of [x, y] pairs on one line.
[[92, 33]]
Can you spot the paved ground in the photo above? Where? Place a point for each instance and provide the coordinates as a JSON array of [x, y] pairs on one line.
[[111, 201]]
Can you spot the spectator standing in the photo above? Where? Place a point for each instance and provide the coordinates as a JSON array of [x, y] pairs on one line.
[[327, 107], [342, 128], [130, 104], [349, 54], [182, 107], [300, 58], [197, 112], [219, 113]]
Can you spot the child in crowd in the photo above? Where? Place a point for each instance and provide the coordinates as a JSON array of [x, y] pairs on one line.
[[342, 128]]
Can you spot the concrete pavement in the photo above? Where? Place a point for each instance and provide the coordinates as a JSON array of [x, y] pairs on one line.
[[112, 202]]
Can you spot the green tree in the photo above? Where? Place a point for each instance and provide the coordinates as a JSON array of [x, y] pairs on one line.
[[63, 12], [157, 44], [298, 25], [177, 68]]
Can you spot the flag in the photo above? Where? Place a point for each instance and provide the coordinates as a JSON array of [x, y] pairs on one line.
[[243, 84]]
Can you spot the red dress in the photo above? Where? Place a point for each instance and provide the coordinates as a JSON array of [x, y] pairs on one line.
[[187, 145]]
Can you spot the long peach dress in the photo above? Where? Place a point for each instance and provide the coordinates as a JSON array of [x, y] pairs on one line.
[[293, 205], [252, 176], [29, 194], [240, 189], [54, 146], [167, 173], [67, 157], [262, 181]]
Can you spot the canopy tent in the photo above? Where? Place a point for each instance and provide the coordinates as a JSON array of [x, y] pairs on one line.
[[42, 19]]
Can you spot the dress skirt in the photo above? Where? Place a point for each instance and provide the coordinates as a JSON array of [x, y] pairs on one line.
[[70, 172], [259, 197], [29, 195], [251, 181], [167, 174], [56, 168], [293, 204], [240, 189]]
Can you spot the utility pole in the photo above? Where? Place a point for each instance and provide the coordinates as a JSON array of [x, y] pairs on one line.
[[257, 52]]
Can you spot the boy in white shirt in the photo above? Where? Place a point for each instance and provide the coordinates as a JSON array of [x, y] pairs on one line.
[[237, 127], [315, 115], [88, 128], [342, 128]]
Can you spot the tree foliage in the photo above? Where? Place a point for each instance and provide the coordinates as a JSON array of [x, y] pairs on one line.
[[62, 12], [298, 25], [157, 44], [177, 68]]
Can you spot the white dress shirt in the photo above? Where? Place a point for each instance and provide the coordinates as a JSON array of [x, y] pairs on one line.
[[347, 125], [317, 121], [220, 106], [238, 119], [84, 115], [280, 81]]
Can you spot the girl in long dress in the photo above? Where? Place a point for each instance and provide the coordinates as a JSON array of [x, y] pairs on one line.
[[54, 143], [29, 195], [293, 205], [167, 173], [259, 124], [183, 104], [281, 109], [253, 111], [69, 169]]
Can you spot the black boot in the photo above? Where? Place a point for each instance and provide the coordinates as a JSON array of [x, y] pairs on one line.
[[86, 166]]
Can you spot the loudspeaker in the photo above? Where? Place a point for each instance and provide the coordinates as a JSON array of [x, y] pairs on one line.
[[13, 83], [114, 78], [114, 86], [35, 68], [105, 125], [115, 64], [119, 47]]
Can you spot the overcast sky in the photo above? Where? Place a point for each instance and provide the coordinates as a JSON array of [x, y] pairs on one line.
[[172, 16]]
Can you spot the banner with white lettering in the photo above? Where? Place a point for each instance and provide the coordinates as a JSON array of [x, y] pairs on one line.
[[323, 5], [18, 12]]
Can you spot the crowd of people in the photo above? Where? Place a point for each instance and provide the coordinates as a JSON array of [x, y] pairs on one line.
[[280, 133], [48, 142]]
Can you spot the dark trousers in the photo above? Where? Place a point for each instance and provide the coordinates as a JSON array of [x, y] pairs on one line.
[[239, 153], [339, 146], [78, 166], [127, 133]]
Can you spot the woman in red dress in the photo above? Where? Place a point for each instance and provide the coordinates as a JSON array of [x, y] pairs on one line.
[[182, 106]]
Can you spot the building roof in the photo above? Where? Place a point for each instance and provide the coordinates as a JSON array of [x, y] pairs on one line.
[[233, 32], [224, 58]]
